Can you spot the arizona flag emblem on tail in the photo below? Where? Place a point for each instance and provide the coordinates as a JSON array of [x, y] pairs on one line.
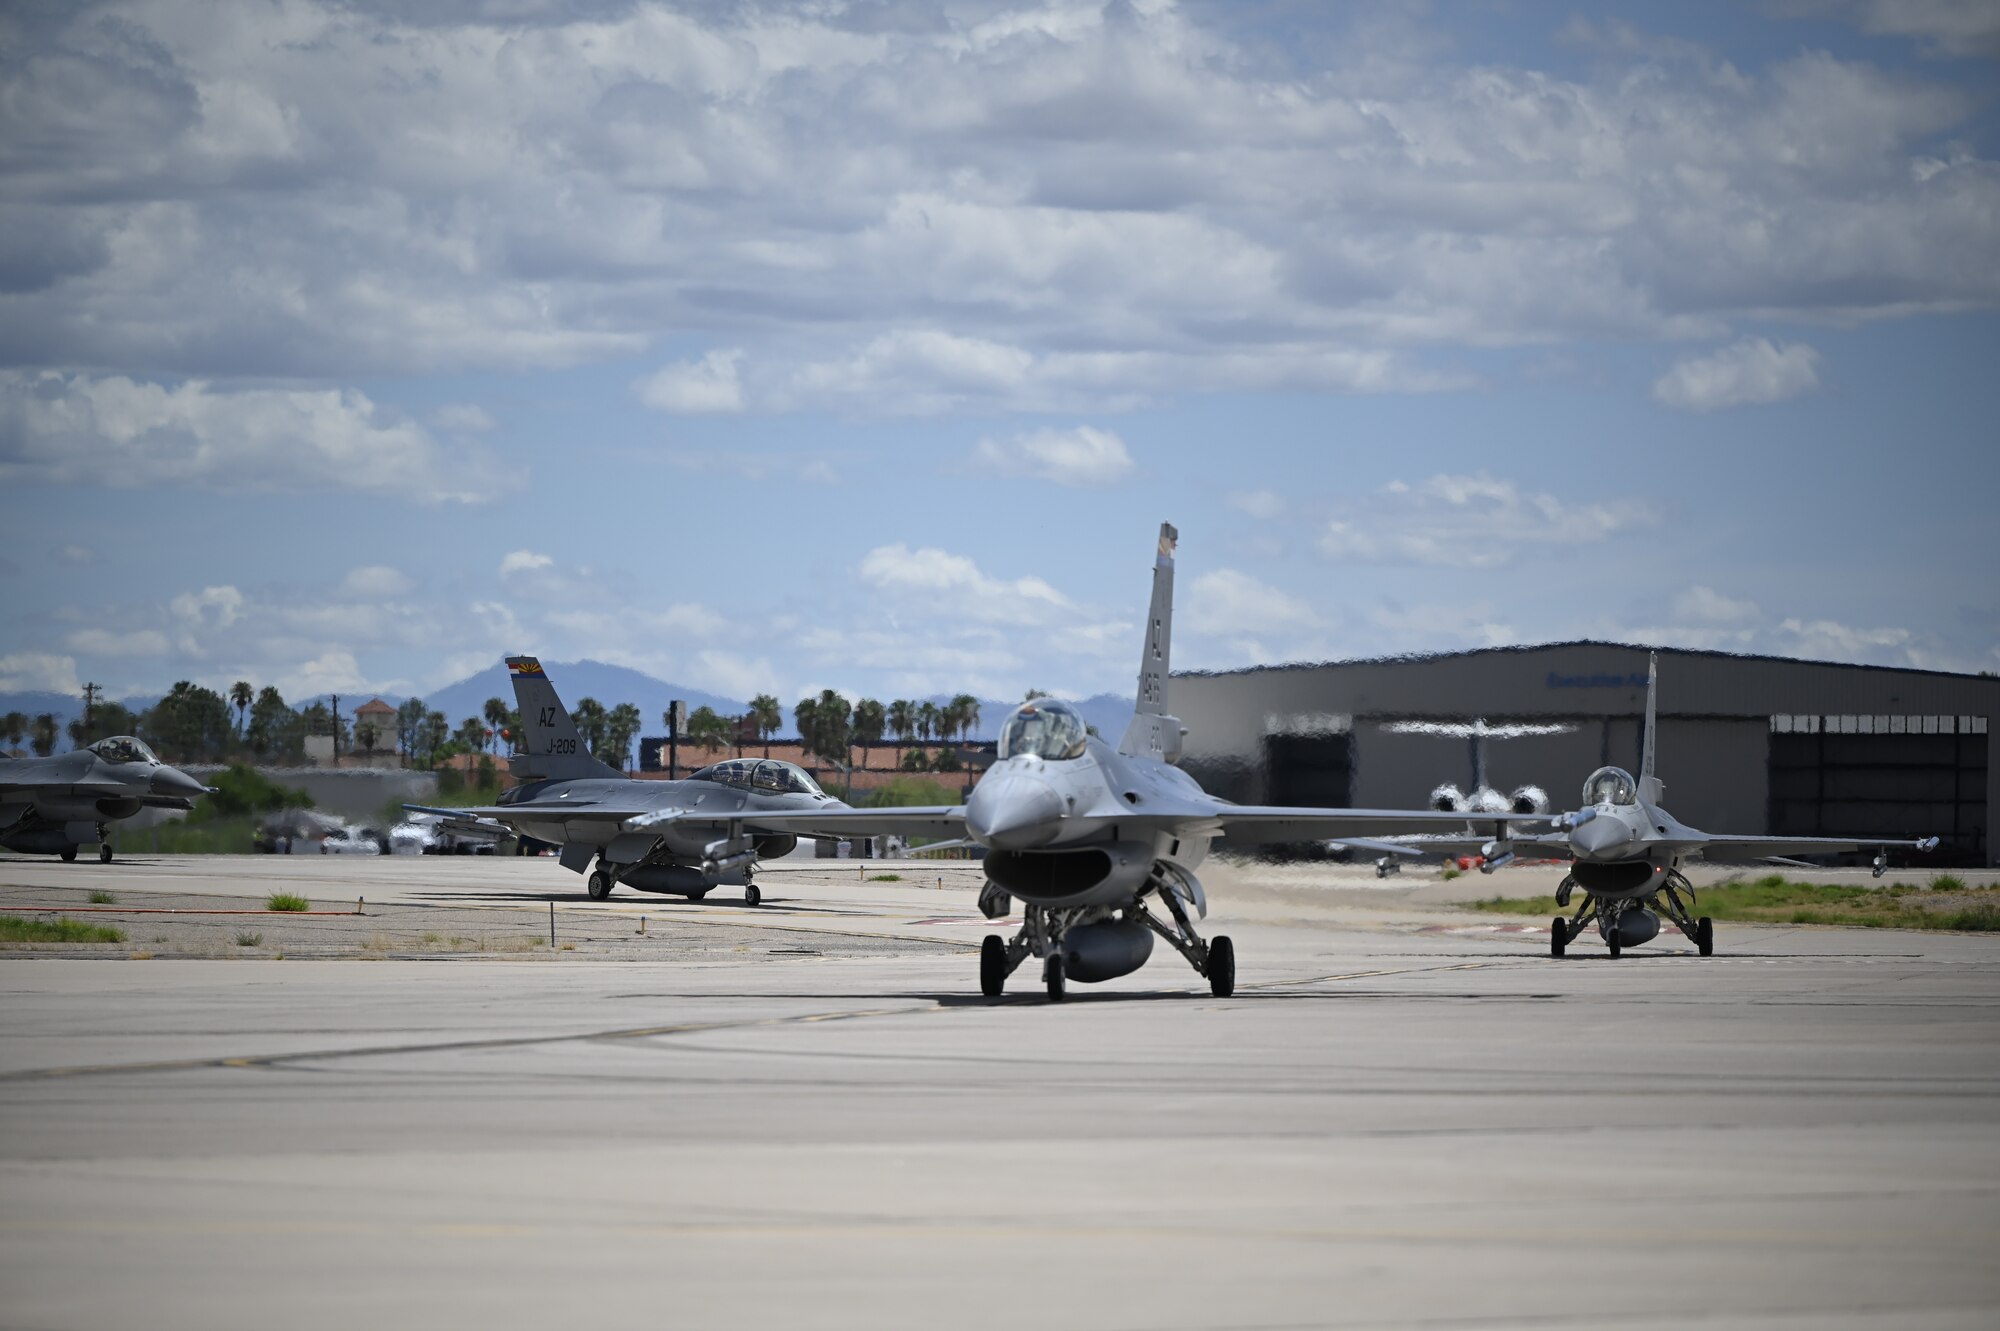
[[525, 665]]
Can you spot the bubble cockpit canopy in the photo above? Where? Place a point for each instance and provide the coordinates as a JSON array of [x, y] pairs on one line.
[[1609, 785], [766, 775], [1045, 727], [123, 749]]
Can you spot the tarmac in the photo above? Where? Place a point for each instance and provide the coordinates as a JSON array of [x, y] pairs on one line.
[[804, 1115]]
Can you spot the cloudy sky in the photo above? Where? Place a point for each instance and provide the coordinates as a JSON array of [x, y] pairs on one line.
[[865, 343]]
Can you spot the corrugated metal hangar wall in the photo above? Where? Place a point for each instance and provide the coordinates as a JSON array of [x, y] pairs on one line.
[[1746, 744]]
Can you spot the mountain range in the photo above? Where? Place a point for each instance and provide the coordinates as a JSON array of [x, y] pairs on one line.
[[609, 684]]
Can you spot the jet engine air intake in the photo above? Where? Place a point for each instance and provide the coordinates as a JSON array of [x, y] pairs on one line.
[[1618, 876], [1448, 798], [1053, 876]]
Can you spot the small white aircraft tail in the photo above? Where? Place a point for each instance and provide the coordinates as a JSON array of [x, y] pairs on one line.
[[1153, 733]]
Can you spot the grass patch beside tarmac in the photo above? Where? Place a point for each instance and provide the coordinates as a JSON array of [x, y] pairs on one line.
[[14, 929], [286, 901], [1947, 903]]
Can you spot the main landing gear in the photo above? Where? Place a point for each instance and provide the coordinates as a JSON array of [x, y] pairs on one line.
[[1675, 899], [600, 883], [1043, 929], [104, 852]]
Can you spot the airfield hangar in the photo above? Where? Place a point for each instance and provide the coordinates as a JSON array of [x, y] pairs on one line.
[[1747, 744]]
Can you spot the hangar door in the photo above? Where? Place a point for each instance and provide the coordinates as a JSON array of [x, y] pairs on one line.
[[1310, 770], [1891, 776]]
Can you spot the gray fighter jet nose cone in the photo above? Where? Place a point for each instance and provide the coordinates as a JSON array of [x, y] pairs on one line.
[[1599, 836], [1011, 812], [173, 781]]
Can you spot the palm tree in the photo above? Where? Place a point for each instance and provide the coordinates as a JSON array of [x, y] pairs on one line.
[[805, 712], [365, 735], [471, 735], [12, 727], [496, 713], [902, 719], [708, 730], [436, 729], [868, 722], [241, 694], [928, 720], [42, 735], [965, 710], [589, 717], [835, 732], [768, 716], [621, 727]]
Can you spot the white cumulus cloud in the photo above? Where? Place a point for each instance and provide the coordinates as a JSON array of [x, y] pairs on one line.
[[1751, 372], [106, 642], [124, 432], [1083, 456], [1472, 521], [26, 672], [708, 386], [523, 561], [1226, 601], [374, 581]]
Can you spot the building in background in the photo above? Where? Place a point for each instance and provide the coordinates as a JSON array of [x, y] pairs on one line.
[[1746, 743]]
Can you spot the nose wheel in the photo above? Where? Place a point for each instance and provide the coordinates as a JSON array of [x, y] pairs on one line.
[[993, 966], [1221, 966], [751, 896], [1558, 937], [104, 852], [1052, 973]]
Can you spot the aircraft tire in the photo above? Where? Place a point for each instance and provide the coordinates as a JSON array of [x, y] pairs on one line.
[[104, 852], [599, 885], [751, 896], [697, 896], [1053, 973], [1558, 937], [1704, 936], [1611, 942], [69, 855], [993, 966], [1221, 966]]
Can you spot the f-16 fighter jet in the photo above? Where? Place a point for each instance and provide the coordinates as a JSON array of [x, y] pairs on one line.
[[1098, 844], [683, 837], [50, 806], [1626, 854]]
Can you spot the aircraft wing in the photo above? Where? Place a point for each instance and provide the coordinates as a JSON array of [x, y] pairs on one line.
[[503, 817], [944, 820], [1276, 823], [1429, 843], [1772, 847], [72, 789]]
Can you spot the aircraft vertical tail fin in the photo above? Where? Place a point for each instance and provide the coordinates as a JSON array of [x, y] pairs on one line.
[[551, 747], [1649, 785], [1153, 733]]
